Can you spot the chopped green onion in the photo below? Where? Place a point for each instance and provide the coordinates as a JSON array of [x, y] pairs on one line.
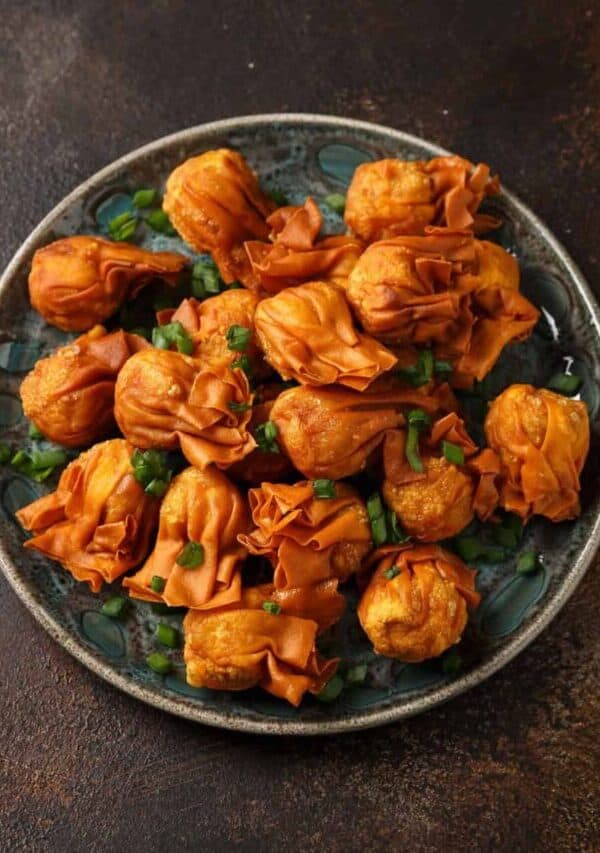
[[412, 449], [159, 221], [168, 636], [172, 333], [157, 488], [563, 383], [356, 674], [157, 584], [159, 663], [205, 279], [324, 489], [452, 662], [123, 226], [396, 535], [271, 607], [5, 453], [332, 689], [528, 562], [38, 464], [453, 453], [391, 573], [442, 368], [144, 198], [418, 418], [279, 197], [265, 435], [426, 360], [150, 471], [191, 556], [238, 338], [116, 607], [336, 202], [377, 519], [242, 363], [239, 407], [469, 548], [420, 373], [34, 432]]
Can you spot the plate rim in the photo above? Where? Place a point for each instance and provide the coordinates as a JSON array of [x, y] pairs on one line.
[[366, 718]]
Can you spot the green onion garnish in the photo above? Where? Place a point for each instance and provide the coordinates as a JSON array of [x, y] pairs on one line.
[[377, 519], [168, 636], [453, 453], [336, 202], [163, 337], [238, 338], [356, 674], [159, 221], [206, 279], [442, 368], [157, 584], [242, 363], [271, 607], [123, 226], [417, 420], [266, 435], [391, 573], [396, 535], [38, 464], [144, 198], [422, 372], [331, 690], [191, 556], [150, 471], [34, 432], [528, 562], [324, 489], [116, 607], [563, 383], [279, 197], [157, 488], [5, 453], [159, 663], [239, 407], [452, 662]]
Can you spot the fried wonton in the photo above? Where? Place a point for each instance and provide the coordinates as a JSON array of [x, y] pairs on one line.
[[542, 439], [440, 501], [69, 395], [296, 254], [307, 334], [216, 204], [79, 281], [99, 522], [415, 606], [235, 649], [166, 400], [308, 539], [391, 197], [330, 431], [262, 466], [204, 508]]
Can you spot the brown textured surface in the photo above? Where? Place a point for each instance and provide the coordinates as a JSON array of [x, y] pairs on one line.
[[513, 765]]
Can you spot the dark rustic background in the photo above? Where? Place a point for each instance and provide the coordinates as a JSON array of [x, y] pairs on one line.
[[513, 765]]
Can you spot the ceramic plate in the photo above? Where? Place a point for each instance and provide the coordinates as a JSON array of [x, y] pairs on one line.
[[302, 155]]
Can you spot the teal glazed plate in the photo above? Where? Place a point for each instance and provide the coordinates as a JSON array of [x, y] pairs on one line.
[[304, 155]]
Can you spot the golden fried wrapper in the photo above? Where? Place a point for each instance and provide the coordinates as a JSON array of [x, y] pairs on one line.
[[421, 610], [307, 334], [330, 431], [234, 649], [69, 395], [262, 466], [296, 255], [205, 508], [308, 539], [166, 400], [392, 197], [99, 522], [79, 281], [216, 204], [542, 439]]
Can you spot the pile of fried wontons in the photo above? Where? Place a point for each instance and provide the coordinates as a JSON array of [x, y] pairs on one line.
[[325, 363]]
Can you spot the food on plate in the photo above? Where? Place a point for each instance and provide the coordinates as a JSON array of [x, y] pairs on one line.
[[167, 400], [542, 439], [307, 334], [391, 197], [197, 557], [77, 282], [69, 395], [216, 204], [416, 604], [99, 522]]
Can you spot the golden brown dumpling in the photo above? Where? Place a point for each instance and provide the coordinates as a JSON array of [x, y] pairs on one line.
[[206, 509], [393, 197], [415, 606], [215, 203], [70, 394], [166, 400], [308, 539], [542, 439], [99, 521], [307, 334], [297, 255], [79, 281], [246, 646]]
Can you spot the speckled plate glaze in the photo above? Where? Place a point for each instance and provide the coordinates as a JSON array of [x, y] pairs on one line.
[[301, 155]]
